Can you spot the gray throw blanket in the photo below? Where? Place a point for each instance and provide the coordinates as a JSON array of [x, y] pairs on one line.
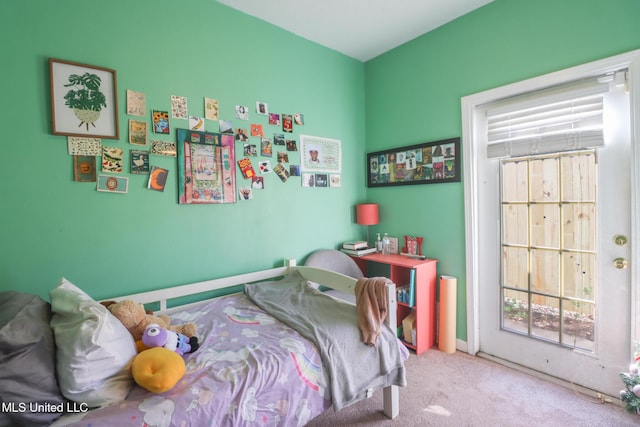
[[353, 367]]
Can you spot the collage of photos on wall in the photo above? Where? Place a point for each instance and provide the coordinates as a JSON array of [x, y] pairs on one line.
[[426, 163], [203, 141]]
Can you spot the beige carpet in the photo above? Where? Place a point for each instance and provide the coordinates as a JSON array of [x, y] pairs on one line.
[[462, 390]]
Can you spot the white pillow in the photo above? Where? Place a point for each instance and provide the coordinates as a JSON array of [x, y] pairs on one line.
[[94, 350]]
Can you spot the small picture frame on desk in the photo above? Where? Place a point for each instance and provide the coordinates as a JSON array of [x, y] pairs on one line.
[[393, 245]]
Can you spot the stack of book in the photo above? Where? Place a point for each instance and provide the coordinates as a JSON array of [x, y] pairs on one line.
[[357, 248]]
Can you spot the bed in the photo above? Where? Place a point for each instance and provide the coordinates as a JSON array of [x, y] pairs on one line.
[[252, 368]]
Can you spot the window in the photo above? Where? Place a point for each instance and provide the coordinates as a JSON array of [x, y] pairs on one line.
[[548, 243]]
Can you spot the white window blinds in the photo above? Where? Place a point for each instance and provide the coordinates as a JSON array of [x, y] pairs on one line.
[[562, 118]]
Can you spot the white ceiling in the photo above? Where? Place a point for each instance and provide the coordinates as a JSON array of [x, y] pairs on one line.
[[361, 29]]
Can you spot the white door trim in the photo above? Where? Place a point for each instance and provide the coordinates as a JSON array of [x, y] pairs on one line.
[[472, 143]]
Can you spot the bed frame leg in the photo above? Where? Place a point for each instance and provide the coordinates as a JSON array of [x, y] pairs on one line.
[[391, 397]]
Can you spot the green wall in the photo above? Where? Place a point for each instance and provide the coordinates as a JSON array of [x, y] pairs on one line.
[[109, 244], [413, 95]]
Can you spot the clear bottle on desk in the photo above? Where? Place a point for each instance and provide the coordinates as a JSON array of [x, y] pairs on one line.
[[386, 245], [378, 244]]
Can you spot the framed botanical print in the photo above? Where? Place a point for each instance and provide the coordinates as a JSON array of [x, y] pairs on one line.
[[83, 100]]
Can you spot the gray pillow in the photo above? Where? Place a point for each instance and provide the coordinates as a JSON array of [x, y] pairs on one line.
[[27, 357]]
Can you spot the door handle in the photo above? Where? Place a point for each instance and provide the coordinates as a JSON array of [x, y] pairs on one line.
[[620, 240], [620, 263]]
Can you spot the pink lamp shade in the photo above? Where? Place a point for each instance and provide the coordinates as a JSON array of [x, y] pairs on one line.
[[367, 214]]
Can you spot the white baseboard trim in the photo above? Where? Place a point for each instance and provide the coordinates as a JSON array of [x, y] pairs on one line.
[[461, 346]]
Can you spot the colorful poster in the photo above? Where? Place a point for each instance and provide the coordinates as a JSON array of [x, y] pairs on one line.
[[205, 167]]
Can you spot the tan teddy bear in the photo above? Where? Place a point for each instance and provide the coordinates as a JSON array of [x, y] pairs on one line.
[[135, 319]]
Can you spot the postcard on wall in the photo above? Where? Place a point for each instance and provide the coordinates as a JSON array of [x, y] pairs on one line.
[[242, 135], [320, 154], [84, 168], [274, 119], [242, 112], [294, 170], [262, 108], [163, 148], [160, 121], [256, 130], [196, 123], [206, 163], [283, 157], [291, 145], [308, 179], [112, 159], [287, 123], [136, 103], [178, 107], [245, 193], [78, 145], [335, 180], [298, 119], [137, 132], [157, 178], [322, 180], [226, 126], [282, 172], [265, 166], [257, 182], [112, 184], [266, 147], [250, 150], [278, 139], [139, 162], [211, 109], [246, 168]]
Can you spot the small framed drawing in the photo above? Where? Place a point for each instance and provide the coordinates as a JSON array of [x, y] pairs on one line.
[[83, 100], [427, 163], [393, 245]]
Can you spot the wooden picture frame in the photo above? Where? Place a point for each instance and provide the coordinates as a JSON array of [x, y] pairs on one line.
[[84, 100], [426, 163]]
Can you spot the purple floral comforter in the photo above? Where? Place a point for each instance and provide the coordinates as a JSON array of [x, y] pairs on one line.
[[251, 370]]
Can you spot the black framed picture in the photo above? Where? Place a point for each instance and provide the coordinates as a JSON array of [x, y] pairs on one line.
[[426, 163]]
